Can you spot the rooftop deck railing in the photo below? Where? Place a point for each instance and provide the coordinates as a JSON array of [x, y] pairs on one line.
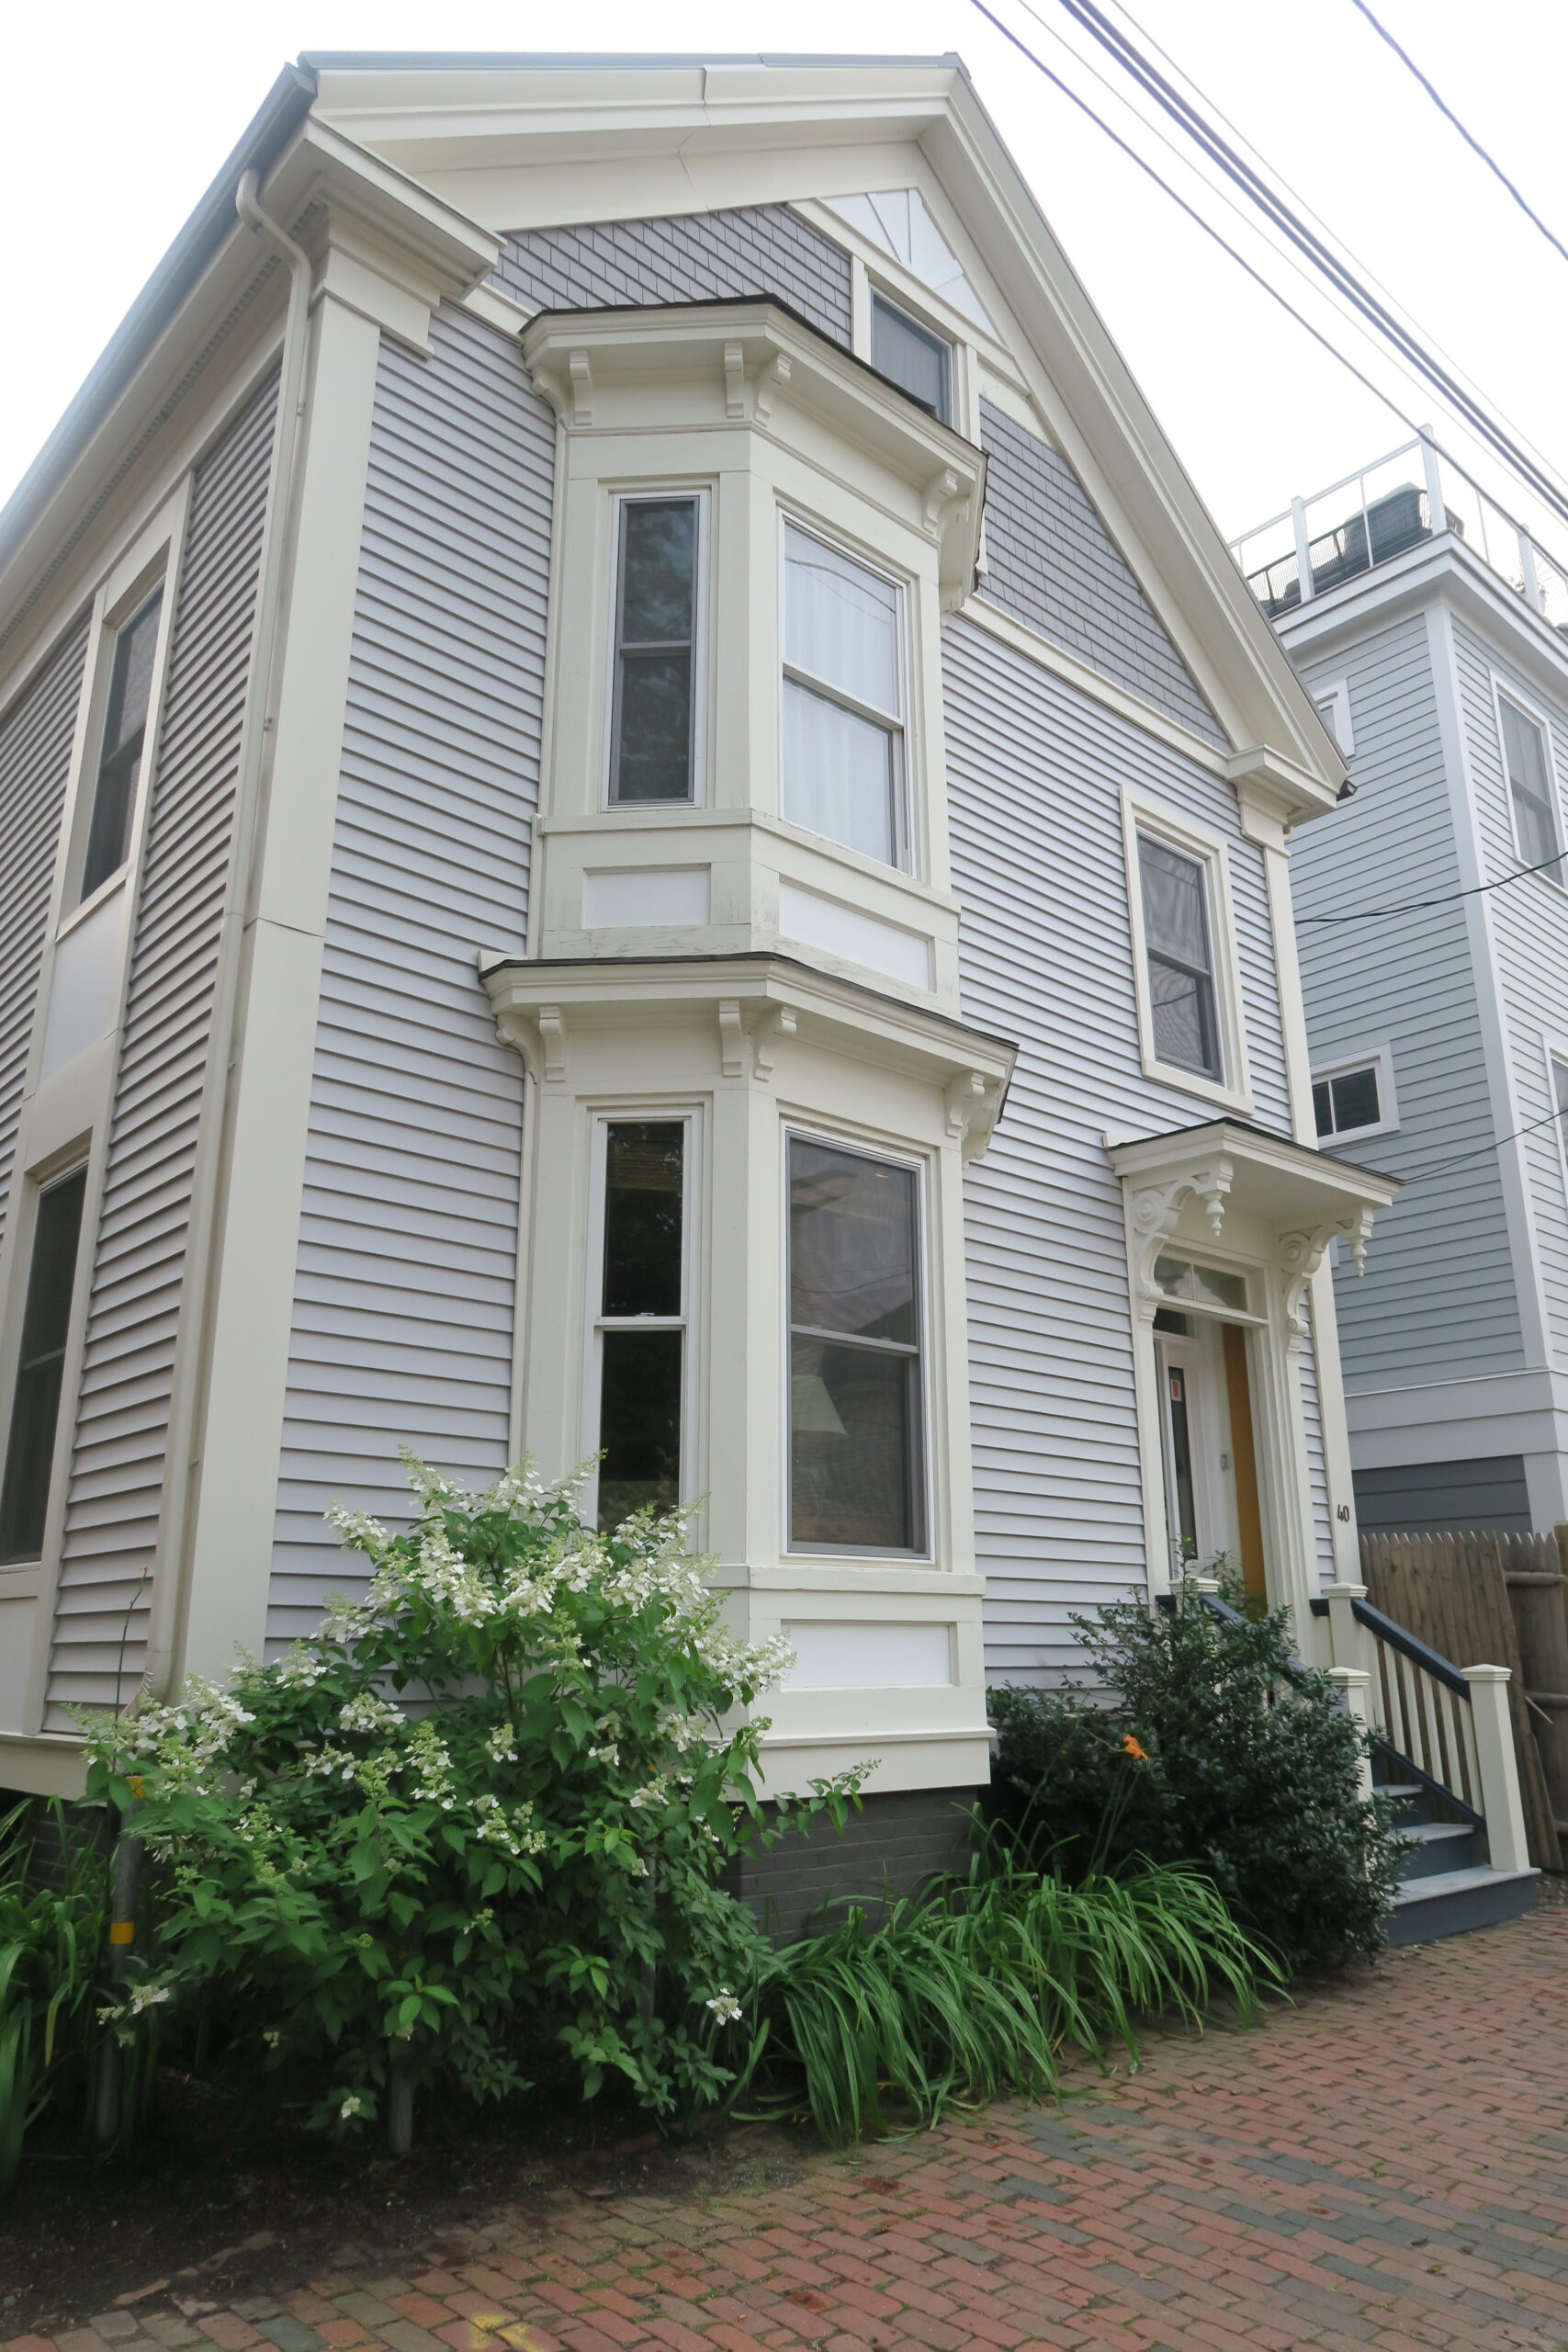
[[1414, 493]]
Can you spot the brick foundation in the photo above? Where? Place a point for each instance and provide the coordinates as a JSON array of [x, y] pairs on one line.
[[887, 1850]]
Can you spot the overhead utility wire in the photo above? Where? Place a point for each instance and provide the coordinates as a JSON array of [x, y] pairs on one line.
[[1443, 1166], [1469, 136], [1302, 206], [1419, 906], [1235, 167], [1194, 214]]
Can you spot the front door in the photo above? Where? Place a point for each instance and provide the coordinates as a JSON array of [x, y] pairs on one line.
[[1210, 1464]]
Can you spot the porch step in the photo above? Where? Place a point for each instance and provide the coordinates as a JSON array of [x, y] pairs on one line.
[[1435, 1849], [1451, 1902]]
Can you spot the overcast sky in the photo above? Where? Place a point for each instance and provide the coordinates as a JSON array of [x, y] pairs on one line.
[[114, 130]]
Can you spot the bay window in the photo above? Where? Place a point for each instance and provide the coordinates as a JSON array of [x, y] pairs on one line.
[[845, 759], [856, 1466], [640, 1315], [653, 716]]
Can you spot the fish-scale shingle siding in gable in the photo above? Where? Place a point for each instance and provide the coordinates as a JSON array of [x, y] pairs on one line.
[[35, 737], [114, 1498], [695, 257], [408, 1245], [1035, 772], [1050, 561]]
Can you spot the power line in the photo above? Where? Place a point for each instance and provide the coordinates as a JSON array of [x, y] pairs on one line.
[[1194, 214], [1469, 136], [1443, 1166], [1420, 906], [1128, 55]]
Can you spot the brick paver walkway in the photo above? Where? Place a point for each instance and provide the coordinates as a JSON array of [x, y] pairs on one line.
[[1385, 2166]]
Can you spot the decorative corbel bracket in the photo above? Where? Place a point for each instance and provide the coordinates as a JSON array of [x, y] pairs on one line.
[[733, 380], [539, 1038], [771, 382], [731, 1038], [1155, 1211], [941, 491], [1302, 1251], [579, 388], [778, 1020], [974, 1103]]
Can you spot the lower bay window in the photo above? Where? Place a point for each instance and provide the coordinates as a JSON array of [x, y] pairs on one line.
[[640, 1309], [856, 1451], [40, 1368]]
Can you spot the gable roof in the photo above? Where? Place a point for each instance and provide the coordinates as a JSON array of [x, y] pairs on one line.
[[512, 139]]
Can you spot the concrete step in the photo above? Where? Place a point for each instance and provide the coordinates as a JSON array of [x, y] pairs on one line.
[[1433, 1848], [1451, 1902]]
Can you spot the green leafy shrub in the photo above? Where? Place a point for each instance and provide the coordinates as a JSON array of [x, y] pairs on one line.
[[974, 1989], [1251, 1773], [483, 1817], [53, 1917], [1064, 1784]]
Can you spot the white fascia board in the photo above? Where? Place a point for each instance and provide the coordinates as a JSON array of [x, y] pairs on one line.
[[1271, 1175]]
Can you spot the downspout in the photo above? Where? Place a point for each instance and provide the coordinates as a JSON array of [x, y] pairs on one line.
[[166, 1612]]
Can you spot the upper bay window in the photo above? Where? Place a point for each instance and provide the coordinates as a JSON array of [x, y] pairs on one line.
[[1528, 760], [653, 716], [121, 745], [911, 357], [1178, 942], [639, 1314], [856, 1466], [844, 752]]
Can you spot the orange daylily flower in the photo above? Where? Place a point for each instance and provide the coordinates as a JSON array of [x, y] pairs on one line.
[[1133, 1748]]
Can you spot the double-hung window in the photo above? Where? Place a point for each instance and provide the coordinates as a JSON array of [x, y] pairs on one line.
[[653, 719], [844, 751], [911, 357], [1530, 787], [640, 1313], [856, 1455], [1178, 944], [41, 1369], [121, 745]]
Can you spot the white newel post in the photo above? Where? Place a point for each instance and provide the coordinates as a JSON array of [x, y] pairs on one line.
[[1347, 1641], [1356, 1684], [1500, 1800]]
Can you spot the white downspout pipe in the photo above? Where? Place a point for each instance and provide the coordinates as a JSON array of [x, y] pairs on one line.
[[165, 1612]]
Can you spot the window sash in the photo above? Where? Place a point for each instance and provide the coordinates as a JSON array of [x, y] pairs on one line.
[[127, 707], [636, 661], [639, 1355], [1328, 1100], [1180, 970], [844, 760], [41, 1369], [1528, 762], [896, 338], [856, 1477]]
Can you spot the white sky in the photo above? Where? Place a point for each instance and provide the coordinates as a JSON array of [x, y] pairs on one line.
[[118, 119]]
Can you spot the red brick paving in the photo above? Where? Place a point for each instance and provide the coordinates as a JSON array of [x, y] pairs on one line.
[[1385, 2165]]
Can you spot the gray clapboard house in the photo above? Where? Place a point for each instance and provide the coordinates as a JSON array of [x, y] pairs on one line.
[[1433, 630], [639, 813]]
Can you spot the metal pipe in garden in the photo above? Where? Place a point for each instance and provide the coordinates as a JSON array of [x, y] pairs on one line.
[[127, 1884]]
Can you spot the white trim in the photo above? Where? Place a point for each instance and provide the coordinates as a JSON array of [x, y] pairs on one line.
[[1040, 649], [1555, 1051], [659, 493], [909, 830], [1335, 694], [1142, 814], [1378, 1058], [792, 1130], [688, 1117], [1504, 690]]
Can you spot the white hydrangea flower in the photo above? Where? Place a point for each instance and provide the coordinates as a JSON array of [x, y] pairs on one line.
[[366, 1713], [724, 2006]]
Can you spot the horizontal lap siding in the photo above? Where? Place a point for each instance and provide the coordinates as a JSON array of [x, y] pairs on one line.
[[1529, 929], [1035, 772], [35, 737], [407, 1269], [117, 1462], [702, 256], [1050, 561], [1407, 981]]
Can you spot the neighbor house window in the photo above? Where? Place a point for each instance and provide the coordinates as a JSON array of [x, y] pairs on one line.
[[1178, 944], [640, 1315], [40, 1368], [1348, 1102], [856, 1469], [1530, 787], [653, 714], [911, 357], [843, 700], [121, 746]]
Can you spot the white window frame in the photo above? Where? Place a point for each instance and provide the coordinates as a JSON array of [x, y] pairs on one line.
[[26, 1193], [889, 1156], [1554, 1048], [128, 588], [1504, 690], [907, 831], [1141, 814], [1379, 1057], [660, 493], [879, 293], [596, 1323], [1332, 697]]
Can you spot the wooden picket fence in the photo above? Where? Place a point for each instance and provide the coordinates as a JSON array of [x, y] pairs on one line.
[[1487, 1599]]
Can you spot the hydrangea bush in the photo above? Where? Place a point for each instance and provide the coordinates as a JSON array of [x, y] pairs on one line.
[[483, 1817]]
